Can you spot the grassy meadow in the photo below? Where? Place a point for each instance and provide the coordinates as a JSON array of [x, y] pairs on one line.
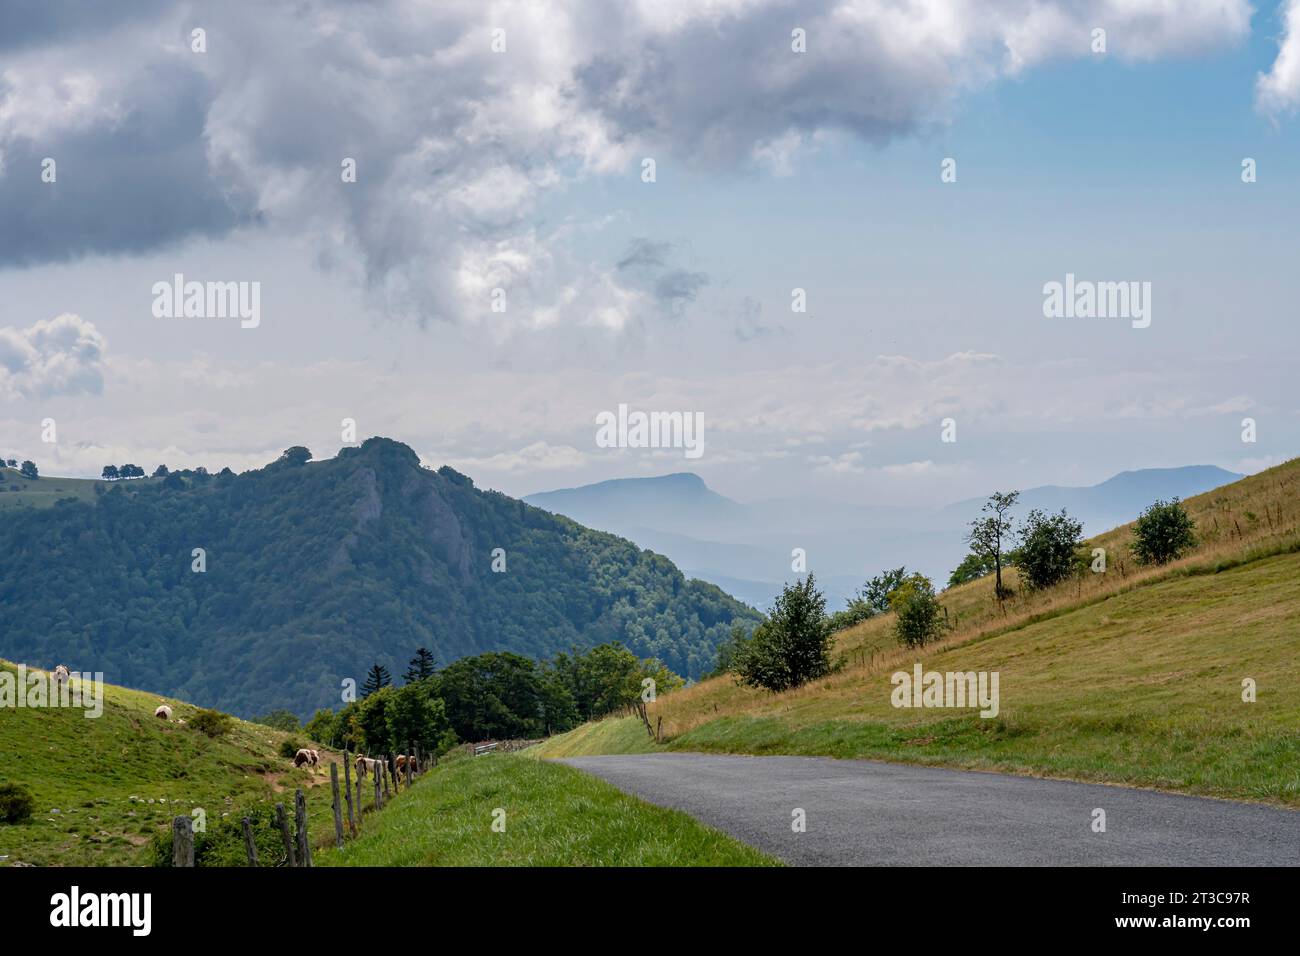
[[554, 816], [19, 492], [104, 787], [107, 787], [1132, 677]]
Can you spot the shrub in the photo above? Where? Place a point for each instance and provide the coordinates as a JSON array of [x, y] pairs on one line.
[[972, 567], [732, 649], [919, 616], [793, 645], [211, 722], [1163, 533], [873, 599], [222, 844], [841, 620], [16, 803], [1047, 550], [289, 749]]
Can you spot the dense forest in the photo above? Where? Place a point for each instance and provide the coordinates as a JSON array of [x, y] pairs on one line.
[[312, 571]]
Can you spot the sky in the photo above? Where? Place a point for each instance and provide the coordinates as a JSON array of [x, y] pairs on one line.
[[500, 160]]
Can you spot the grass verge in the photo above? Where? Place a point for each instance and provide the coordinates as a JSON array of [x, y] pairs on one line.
[[553, 815]]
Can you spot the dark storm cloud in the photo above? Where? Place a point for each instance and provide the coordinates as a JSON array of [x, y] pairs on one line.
[[123, 186], [27, 23]]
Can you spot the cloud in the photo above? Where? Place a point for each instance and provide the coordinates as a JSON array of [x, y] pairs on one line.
[[59, 356], [646, 266], [539, 456], [1278, 91], [457, 146], [849, 463], [1253, 466], [121, 113], [919, 469]]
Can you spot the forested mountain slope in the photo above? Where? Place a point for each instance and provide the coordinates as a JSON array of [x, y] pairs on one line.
[[315, 570]]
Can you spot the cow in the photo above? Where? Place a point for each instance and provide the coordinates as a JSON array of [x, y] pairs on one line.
[[303, 758], [61, 674], [315, 757], [403, 760], [366, 763], [163, 712]]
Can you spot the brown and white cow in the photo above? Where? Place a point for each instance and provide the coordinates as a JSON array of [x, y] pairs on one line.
[[403, 760], [366, 763], [61, 674], [303, 758]]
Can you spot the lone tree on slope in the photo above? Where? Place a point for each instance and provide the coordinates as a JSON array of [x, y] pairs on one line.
[[989, 535], [791, 647], [1163, 533]]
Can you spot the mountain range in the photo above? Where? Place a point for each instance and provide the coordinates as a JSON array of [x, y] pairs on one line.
[[746, 548]]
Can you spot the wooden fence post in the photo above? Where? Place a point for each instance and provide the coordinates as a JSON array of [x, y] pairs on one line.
[[347, 791], [379, 787], [282, 818], [384, 772], [182, 842], [250, 845], [410, 752], [338, 805], [300, 818]]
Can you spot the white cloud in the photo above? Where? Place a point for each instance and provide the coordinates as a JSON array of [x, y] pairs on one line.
[[1253, 466], [849, 463], [457, 147], [59, 356], [1278, 91], [539, 456]]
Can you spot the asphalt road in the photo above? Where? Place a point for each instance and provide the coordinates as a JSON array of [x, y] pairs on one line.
[[866, 813]]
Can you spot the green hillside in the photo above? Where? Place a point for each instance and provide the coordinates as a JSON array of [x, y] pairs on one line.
[[107, 788], [314, 571], [1135, 679], [104, 787], [551, 816], [19, 492]]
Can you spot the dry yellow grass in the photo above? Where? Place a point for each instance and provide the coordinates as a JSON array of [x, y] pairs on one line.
[[1246, 520]]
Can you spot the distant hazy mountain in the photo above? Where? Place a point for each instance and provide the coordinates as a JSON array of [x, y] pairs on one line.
[[1116, 500], [745, 549], [680, 502]]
